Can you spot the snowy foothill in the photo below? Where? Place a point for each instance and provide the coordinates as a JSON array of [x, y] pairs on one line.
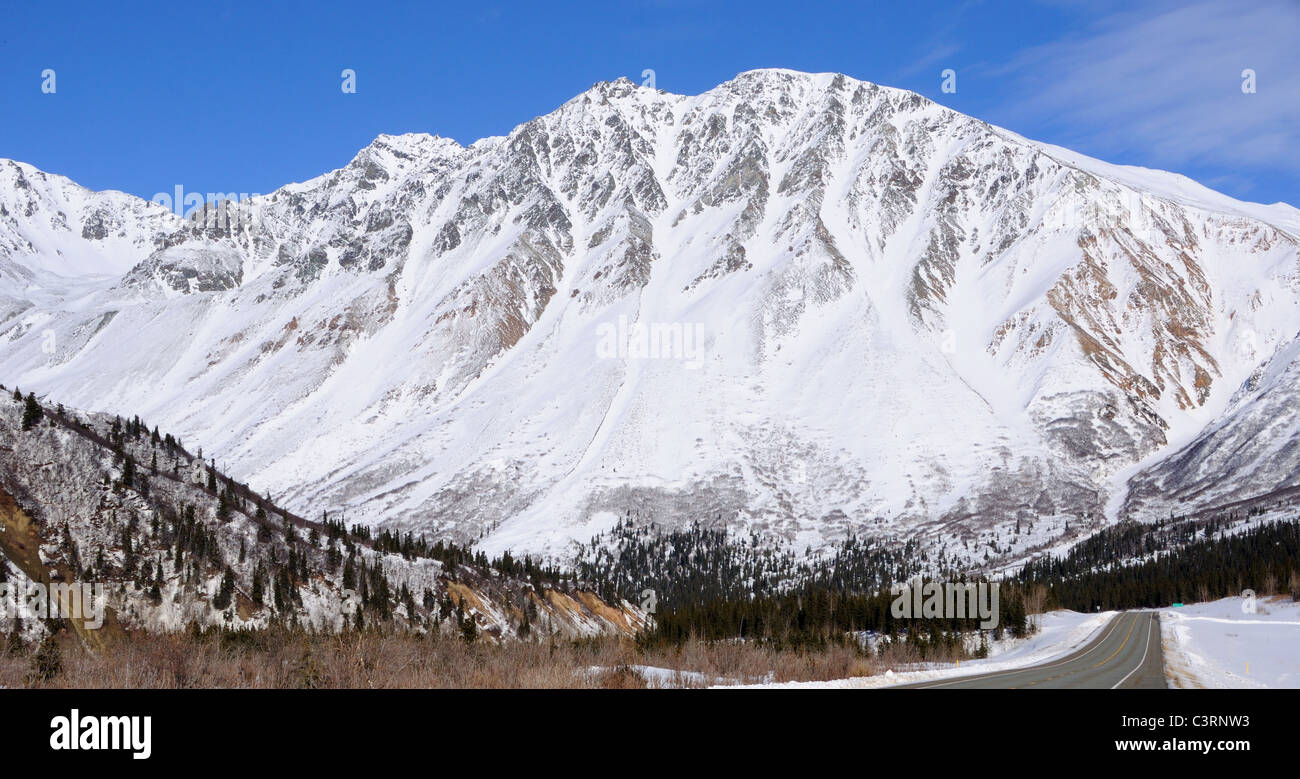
[[1222, 644]]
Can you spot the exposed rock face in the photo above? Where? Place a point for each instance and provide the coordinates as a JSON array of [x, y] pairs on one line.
[[1250, 454], [909, 321]]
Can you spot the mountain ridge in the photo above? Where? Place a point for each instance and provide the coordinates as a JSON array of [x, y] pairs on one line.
[[830, 238]]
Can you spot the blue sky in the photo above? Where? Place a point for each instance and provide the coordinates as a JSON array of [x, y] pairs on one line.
[[226, 96]]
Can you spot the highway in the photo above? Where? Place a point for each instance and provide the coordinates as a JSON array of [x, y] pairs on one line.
[[1125, 654]]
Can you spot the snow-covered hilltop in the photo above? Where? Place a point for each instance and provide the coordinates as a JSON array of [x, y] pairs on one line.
[[803, 302]]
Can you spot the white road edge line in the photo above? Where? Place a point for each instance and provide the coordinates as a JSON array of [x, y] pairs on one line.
[[1107, 629], [1155, 620]]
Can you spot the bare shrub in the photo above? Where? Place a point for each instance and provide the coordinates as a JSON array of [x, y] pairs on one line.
[[293, 658]]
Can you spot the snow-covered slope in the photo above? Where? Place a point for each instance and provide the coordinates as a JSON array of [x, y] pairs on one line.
[[799, 301], [51, 226], [1250, 453]]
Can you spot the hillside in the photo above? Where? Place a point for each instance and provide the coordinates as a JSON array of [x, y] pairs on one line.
[[96, 499]]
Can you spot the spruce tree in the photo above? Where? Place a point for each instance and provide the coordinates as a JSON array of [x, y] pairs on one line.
[[128, 472], [222, 599], [259, 584], [32, 412]]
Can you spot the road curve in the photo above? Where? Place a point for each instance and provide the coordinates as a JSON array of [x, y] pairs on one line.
[[1125, 654]]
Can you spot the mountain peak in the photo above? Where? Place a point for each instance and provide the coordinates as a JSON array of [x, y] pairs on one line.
[[415, 142]]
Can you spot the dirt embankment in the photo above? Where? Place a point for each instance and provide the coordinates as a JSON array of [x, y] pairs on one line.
[[20, 542]]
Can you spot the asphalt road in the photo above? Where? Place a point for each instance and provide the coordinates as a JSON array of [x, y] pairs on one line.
[[1125, 654]]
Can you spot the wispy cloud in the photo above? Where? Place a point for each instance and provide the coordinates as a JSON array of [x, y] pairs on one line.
[[944, 43], [938, 53], [1165, 84]]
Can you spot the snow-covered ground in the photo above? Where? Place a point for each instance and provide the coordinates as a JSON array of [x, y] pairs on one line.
[[1060, 632], [1218, 644], [657, 677]]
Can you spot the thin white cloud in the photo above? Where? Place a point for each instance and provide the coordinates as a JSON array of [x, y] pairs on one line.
[[944, 44], [1165, 84], [939, 54]]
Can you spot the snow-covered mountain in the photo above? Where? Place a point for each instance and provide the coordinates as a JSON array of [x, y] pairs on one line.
[[799, 302]]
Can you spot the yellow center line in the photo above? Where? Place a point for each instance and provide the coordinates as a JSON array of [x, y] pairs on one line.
[[1122, 643]]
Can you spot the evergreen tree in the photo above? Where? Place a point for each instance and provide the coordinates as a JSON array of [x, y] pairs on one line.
[[128, 472], [349, 575], [222, 599], [259, 583], [32, 412]]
